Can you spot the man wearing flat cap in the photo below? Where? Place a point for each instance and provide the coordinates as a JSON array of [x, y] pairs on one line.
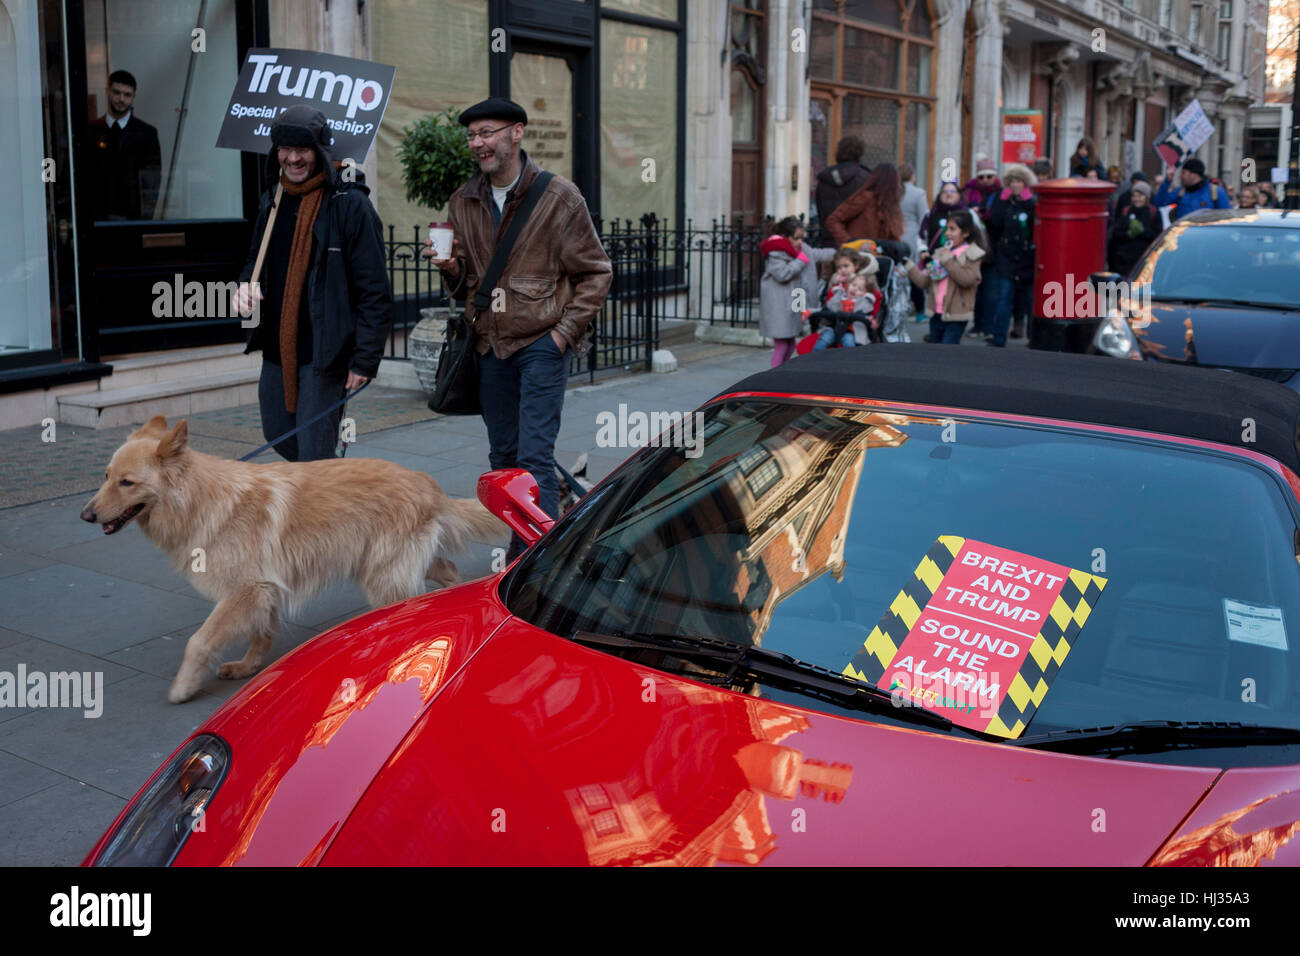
[[554, 284], [326, 307], [1196, 193]]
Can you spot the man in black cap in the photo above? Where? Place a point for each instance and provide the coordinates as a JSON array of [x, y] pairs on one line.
[[1196, 192], [327, 309], [549, 293], [126, 159]]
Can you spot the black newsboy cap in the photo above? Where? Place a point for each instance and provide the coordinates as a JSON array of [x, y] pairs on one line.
[[495, 107]]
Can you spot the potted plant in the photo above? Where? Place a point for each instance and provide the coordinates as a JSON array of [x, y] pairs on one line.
[[435, 162]]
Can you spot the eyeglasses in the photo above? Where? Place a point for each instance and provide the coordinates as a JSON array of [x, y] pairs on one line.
[[485, 133]]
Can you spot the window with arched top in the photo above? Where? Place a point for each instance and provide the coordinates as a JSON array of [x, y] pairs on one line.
[[872, 65]]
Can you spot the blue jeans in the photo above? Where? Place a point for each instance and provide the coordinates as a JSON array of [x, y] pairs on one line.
[[315, 394], [827, 336], [522, 397], [1011, 297], [985, 301], [949, 332]]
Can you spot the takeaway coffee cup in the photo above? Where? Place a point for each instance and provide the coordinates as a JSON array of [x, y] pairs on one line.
[[441, 234], [846, 304]]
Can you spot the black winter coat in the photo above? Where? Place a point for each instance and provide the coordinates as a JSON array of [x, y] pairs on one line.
[[1011, 232], [1124, 250], [836, 184], [348, 295]]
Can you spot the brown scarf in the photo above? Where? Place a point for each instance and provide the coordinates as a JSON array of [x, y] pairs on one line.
[[313, 193]]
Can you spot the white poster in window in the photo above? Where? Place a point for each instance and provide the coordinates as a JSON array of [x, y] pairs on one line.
[[1255, 624], [543, 86]]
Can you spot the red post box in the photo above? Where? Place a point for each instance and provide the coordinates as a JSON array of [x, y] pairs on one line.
[[1070, 245]]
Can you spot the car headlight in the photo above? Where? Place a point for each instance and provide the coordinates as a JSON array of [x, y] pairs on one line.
[[1115, 337], [163, 817]]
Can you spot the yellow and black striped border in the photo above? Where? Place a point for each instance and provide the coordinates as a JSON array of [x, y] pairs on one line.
[[880, 647], [1079, 595]]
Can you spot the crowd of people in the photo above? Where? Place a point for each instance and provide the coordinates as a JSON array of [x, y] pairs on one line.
[[969, 255]]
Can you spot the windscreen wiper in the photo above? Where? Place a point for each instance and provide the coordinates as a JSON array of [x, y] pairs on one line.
[[1206, 300], [1157, 736], [731, 660]]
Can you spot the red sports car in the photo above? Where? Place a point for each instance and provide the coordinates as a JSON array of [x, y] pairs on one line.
[[744, 647]]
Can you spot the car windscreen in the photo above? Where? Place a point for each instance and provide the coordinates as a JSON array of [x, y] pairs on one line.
[[1075, 579], [1254, 264]]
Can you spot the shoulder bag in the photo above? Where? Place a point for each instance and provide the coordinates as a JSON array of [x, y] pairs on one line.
[[455, 389]]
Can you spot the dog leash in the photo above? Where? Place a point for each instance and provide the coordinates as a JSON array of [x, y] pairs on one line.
[[312, 421]]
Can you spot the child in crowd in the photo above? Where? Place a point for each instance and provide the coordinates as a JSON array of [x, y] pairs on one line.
[[789, 285], [846, 265], [856, 301], [952, 276]]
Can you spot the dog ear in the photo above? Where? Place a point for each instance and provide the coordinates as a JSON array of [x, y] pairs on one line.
[[155, 427], [173, 443]]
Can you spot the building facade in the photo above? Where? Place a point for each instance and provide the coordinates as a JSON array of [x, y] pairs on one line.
[[694, 110], [1117, 71]]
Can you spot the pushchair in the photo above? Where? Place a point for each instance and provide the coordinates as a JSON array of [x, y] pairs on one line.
[[896, 308]]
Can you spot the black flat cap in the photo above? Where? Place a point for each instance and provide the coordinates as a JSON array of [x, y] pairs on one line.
[[497, 108]]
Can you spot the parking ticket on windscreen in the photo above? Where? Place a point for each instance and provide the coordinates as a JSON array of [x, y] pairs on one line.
[[1255, 624], [978, 633]]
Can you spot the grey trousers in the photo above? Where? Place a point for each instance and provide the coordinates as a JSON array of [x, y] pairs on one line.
[[315, 394]]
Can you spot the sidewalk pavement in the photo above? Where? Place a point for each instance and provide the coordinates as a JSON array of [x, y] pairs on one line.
[[75, 600]]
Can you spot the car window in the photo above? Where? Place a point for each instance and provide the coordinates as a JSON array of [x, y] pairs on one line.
[[798, 527], [1249, 263]]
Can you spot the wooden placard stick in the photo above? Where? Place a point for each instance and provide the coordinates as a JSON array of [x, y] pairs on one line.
[[265, 236]]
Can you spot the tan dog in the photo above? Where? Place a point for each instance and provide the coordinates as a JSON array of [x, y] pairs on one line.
[[272, 535]]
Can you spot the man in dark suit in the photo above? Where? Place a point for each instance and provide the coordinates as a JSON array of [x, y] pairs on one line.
[[125, 155]]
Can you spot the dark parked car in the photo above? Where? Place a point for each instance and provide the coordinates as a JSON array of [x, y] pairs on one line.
[[1225, 293]]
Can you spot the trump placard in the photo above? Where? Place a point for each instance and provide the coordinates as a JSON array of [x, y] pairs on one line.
[[352, 95]]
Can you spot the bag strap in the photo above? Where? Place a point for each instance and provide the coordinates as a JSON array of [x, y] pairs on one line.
[[483, 297]]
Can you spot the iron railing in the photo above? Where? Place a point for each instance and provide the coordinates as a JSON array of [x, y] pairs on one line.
[[702, 273]]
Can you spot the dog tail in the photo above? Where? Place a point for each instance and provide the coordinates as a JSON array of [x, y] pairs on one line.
[[465, 519]]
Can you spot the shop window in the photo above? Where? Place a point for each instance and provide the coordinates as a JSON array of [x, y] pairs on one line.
[[881, 87], [424, 84], [638, 89], [875, 119], [744, 105], [166, 167], [887, 13], [663, 9]]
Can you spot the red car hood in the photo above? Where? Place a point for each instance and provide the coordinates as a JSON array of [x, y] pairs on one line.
[[545, 752], [444, 731]]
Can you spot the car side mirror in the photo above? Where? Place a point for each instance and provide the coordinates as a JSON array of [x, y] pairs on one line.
[[511, 494]]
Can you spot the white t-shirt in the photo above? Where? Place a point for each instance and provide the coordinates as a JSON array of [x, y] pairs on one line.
[[499, 192]]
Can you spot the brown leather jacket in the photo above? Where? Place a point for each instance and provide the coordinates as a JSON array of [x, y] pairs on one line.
[[860, 217], [557, 274]]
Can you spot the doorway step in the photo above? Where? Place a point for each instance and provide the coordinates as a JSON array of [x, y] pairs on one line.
[[176, 383]]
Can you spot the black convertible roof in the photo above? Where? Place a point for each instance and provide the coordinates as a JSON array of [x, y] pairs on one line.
[[1153, 396]]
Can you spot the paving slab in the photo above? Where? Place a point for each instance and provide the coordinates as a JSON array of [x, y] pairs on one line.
[[21, 778], [93, 612], [56, 826], [127, 554], [13, 561]]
